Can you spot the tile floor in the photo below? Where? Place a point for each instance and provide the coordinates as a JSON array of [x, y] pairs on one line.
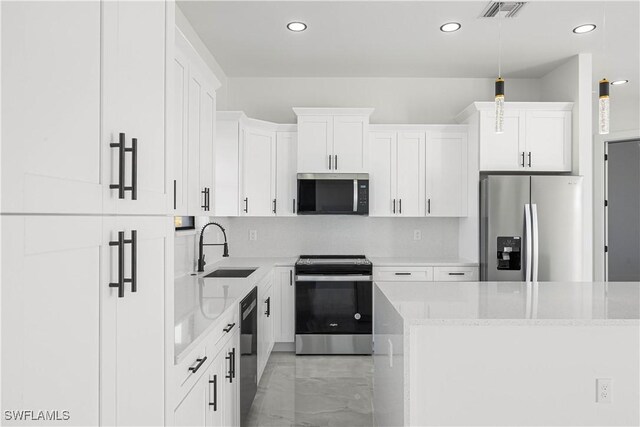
[[314, 391]]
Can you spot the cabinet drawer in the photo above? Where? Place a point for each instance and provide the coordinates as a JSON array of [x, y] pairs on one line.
[[455, 274], [224, 329], [191, 368], [403, 274]]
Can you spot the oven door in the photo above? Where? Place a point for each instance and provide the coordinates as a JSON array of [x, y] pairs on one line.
[[333, 305]]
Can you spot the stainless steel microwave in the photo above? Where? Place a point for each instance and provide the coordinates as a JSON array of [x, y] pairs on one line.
[[333, 194]]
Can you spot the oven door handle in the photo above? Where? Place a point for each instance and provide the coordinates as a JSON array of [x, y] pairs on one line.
[[345, 278]]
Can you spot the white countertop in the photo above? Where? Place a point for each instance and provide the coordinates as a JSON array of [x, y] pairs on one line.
[[498, 303], [420, 262], [199, 302]]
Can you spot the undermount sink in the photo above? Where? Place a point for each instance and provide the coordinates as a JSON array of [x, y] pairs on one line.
[[231, 272]]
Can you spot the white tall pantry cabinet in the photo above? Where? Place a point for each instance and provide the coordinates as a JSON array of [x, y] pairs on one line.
[[84, 125]]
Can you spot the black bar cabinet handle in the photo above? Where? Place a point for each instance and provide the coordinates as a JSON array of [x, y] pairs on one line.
[[456, 274], [175, 201], [335, 166], [134, 260], [229, 327], [293, 207], [121, 149], [428, 205], [134, 168], [230, 357], [194, 369], [246, 204], [214, 381], [399, 205], [394, 205], [233, 358], [120, 244], [329, 161], [529, 155], [290, 277], [522, 163], [403, 274], [204, 199], [268, 302], [208, 199], [274, 206]]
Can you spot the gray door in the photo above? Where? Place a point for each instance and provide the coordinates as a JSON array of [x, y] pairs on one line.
[[503, 204], [556, 203], [623, 211]]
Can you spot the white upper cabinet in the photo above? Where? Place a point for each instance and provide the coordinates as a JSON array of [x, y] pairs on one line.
[[195, 130], [446, 175], [51, 147], [382, 173], [410, 170], [286, 182], [134, 66], [502, 151], [333, 139], [548, 140], [536, 137], [230, 125], [257, 177]]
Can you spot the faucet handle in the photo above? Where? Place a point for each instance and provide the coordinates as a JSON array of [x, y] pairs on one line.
[[201, 263]]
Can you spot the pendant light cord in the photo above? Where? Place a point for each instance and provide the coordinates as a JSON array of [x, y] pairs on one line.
[[499, 39], [604, 36]]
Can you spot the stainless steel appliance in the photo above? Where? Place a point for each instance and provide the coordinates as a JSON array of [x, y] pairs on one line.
[[333, 194], [531, 228], [334, 307], [248, 352]]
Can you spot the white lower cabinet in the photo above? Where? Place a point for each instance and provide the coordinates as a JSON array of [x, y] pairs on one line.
[[68, 341], [213, 401], [132, 318], [418, 273], [266, 322], [284, 305]]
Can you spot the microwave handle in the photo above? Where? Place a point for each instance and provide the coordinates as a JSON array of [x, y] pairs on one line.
[[355, 195]]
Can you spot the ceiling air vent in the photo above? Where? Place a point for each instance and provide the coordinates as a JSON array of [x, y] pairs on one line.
[[508, 9]]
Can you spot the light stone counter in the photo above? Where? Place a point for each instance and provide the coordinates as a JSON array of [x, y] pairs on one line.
[[504, 354], [199, 301], [473, 303]]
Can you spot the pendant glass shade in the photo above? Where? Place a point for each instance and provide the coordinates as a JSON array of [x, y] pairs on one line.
[[603, 108], [499, 105]]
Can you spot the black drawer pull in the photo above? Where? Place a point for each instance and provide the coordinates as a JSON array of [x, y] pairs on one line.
[[194, 369], [456, 274], [134, 260], [268, 302], [229, 327], [403, 274], [122, 149]]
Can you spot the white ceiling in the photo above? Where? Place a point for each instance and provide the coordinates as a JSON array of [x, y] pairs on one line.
[[402, 38]]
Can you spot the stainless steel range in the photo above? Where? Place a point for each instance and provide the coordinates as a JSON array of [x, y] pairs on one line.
[[334, 304]]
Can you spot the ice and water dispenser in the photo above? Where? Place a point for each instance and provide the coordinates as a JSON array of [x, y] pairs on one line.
[[509, 251]]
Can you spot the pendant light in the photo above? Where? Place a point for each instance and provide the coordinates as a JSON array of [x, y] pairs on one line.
[[499, 87], [603, 85]]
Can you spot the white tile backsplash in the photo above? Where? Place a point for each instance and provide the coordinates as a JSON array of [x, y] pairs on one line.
[[282, 237]]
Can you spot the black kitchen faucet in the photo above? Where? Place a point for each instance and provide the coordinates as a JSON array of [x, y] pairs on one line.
[[225, 252]]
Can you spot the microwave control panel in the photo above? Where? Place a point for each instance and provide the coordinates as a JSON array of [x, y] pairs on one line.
[[363, 197]]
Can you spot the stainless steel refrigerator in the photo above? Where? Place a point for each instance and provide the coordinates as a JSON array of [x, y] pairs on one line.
[[531, 228]]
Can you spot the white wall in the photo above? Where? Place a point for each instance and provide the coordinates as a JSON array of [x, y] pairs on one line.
[[396, 100]]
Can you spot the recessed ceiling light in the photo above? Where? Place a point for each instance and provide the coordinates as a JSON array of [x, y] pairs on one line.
[[450, 27], [586, 28], [619, 82], [297, 26]]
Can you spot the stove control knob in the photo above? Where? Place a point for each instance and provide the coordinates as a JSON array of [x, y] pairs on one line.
[[357, 316]]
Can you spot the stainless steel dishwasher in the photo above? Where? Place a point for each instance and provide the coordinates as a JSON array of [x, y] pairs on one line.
[[248, 353]]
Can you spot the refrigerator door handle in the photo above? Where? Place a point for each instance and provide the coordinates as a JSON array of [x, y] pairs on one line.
[[528, 242], [534, 221]]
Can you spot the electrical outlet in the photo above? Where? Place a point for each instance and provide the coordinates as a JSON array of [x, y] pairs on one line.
[[253, 234], [604, 390], [417, 235]]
